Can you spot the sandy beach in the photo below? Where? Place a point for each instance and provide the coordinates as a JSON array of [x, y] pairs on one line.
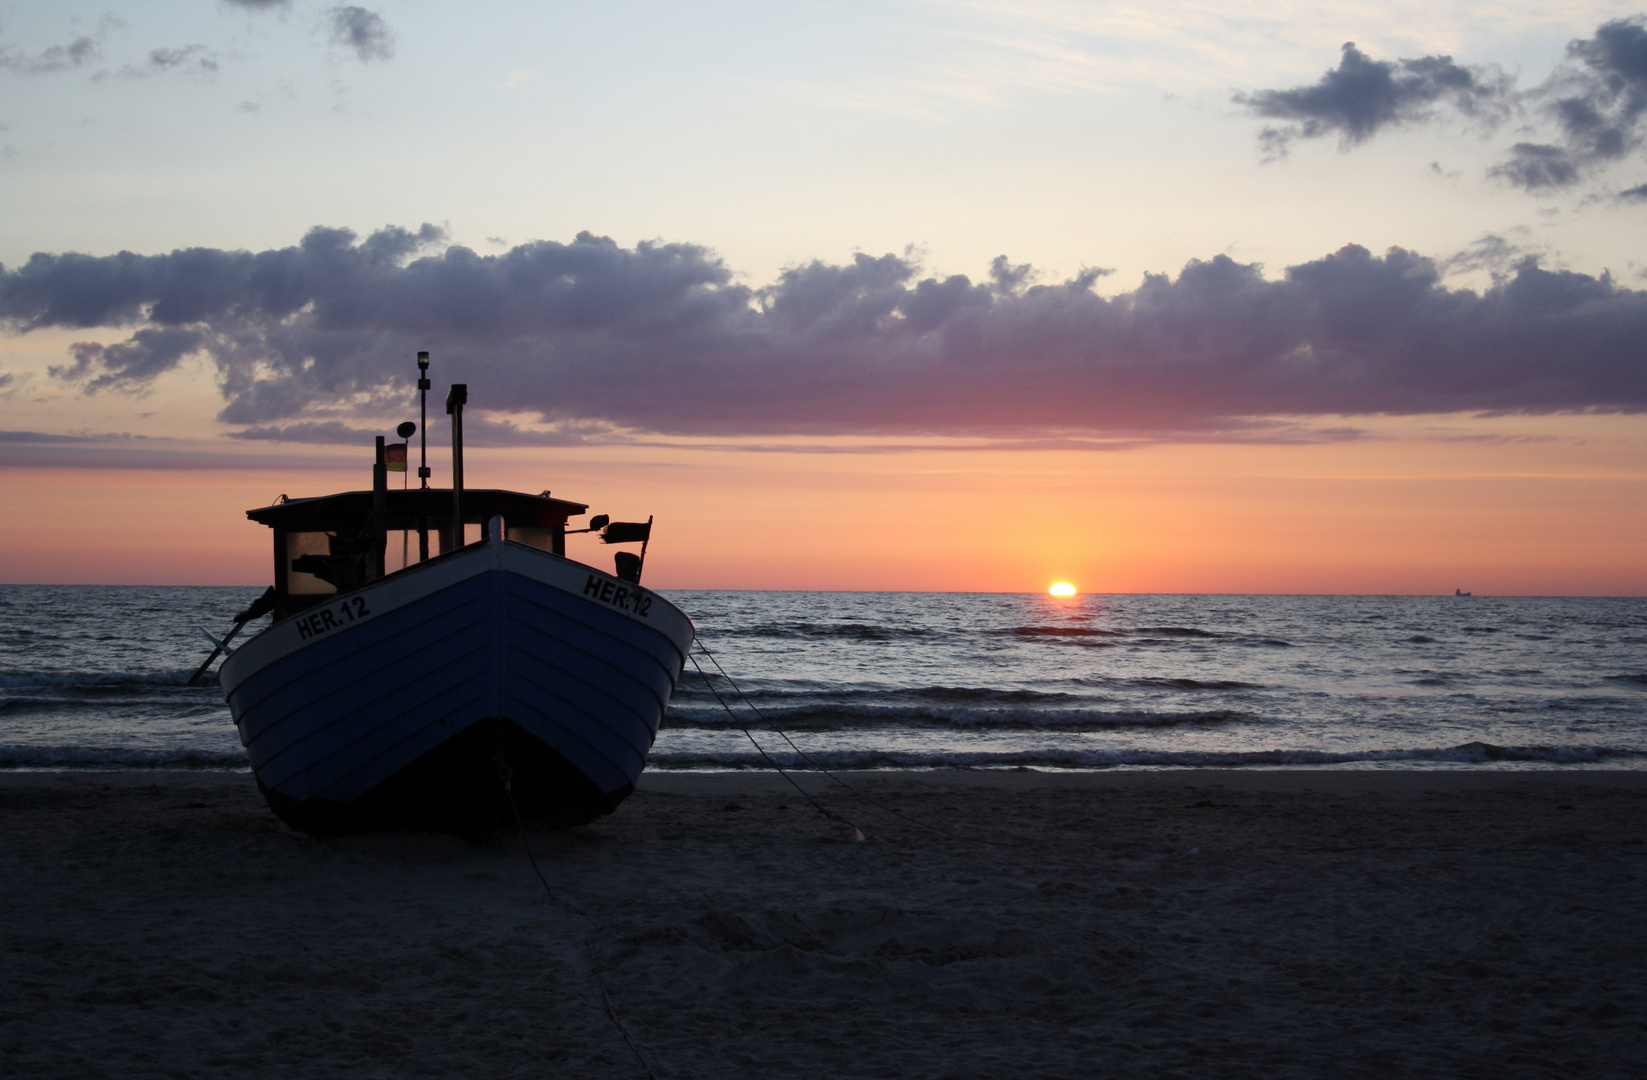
[[1196, 924]]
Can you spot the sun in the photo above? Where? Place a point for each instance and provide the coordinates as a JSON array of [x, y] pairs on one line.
[[1063, 588]]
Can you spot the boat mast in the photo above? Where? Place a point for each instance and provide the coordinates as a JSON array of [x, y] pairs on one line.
[[423, 422], [423, 450], [456, 398]]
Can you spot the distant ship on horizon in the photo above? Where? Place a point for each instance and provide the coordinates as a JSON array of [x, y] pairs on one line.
[[1460, 592]]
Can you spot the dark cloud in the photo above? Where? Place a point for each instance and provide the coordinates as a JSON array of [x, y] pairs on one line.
[[1537, 165], [81, 51], [259, 5], [366, 32], [1363, 96], [1598, 102], [591, 340], [1635, 194], [130, 365], [1593, 108]]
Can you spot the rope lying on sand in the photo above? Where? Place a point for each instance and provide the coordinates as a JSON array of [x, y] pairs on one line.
[[607, 1007], [803, 756], [816, 805]]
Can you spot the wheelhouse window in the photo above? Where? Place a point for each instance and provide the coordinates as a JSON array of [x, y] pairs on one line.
[[543, 539], [299, 544]]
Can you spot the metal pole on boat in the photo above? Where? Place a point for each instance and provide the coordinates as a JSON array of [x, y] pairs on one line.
[[423, 450], [423, 426], [456, 398], [645, 542], [380, 508]]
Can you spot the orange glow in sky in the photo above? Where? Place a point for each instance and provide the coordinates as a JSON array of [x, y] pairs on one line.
[[1402, 512]]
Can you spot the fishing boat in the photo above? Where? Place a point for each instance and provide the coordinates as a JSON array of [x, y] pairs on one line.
[[480, 675]]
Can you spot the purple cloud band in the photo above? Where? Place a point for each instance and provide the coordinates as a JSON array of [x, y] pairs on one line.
[[659, 338]]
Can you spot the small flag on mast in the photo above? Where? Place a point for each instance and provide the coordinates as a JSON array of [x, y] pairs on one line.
[[626, 532], [394, 457]]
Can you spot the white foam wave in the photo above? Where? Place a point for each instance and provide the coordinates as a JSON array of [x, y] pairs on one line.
[[73, 679], [84, 757], [1475, 753], [837, 717]]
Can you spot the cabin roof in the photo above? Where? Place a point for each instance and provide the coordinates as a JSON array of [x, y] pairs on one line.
[[345, 510]]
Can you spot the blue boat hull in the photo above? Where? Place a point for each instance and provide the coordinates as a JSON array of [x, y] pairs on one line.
[[404, 703]]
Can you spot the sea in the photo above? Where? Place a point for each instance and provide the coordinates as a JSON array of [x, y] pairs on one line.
[[97, 677]]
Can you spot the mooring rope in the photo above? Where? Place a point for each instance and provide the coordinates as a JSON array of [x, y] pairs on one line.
[[804, 757], [505, 775], [816, 805]]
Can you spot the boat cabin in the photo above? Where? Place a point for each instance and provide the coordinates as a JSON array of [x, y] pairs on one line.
[[335, 543]]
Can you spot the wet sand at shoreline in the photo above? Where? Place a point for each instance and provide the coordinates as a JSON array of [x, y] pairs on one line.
[[1196, 924]]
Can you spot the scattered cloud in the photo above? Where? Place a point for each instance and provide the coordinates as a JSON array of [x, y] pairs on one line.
[[81, 51], [40, 450], [1598, 102], [594, 341], [366, 32], [46, 437], [1533, 166], [1592, 108], [1635, 194], [195, 60], [478, 430], [329, 432], [131, 365], [259, 5], [1492, 253], [1363, 96]]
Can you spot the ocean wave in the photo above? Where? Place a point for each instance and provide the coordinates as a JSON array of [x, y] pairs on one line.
[[1474, 753], [864, 631], [839, 718], [84, 757], [791, 695], [1639, 680], [1194, 684], [73, 705], [693, 689], [853, 631], [99, 679]]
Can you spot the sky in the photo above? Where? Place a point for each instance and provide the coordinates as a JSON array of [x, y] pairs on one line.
[[1150, 297]]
